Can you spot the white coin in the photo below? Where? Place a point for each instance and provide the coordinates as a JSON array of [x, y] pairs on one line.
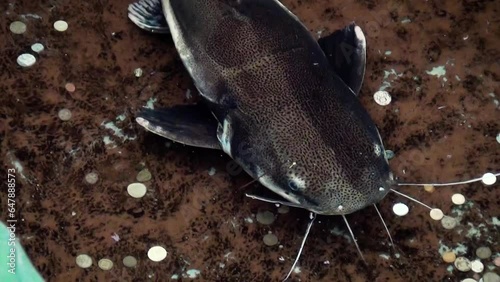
[[64, 114], [462, 264], [136, 190], [489, 178], [458, 199], [468, 280], [400, 209], [436, 214], [84, 261], [26, 60], [61, 25], [105, 264], [17, 27], [477, 266], [37, 47], [382, 97], [157, 253]]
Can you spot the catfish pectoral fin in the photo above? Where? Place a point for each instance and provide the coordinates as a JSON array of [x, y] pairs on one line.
[[148, 15], [346, 52], [191, 125]]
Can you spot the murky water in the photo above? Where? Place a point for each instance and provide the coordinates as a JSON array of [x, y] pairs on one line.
[[438, 60]]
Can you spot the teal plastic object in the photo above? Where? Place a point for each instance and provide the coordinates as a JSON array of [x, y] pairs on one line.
[[15, 265]]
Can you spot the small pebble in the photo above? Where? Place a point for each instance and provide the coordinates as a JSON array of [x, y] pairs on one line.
[[265, 217], [212, 171], [91, 178], [136, 190], [283, 209], [84, 261], [458, 199], [157, 253], [105, 264], [436, 214], [26, 60], [129, 261], [462, 264], [70, 87], [138, 72], [389, 154], [483, 252], [64, 114], [449, 257], [37, 47], [383, 98], [489, 178], [477, 266], [491, 277], [429, 188], [144, 175], [17, 27], [448, 222], [61, 25], [400, 209], [270, 239]]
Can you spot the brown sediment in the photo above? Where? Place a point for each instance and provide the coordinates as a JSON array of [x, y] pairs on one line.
[[440, 130]]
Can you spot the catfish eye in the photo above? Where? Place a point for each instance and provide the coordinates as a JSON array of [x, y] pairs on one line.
[[293, 185]]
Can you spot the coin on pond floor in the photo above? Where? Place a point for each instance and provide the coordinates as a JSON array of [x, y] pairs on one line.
[[91, 178], [400, 209], [449, 256], [283, 209], [84, 261], [136, 190], [157, 253], [429, 188], [383, 98], [64, 114], [265, 217], [105, 264], [491, 277], [448, 222], [129, 261], [70, 87], [270, 239], [26, 60], [477, 266], [60, 25], [458, 199], [483, 252], [468, 280], [17, 27], [462, 264], [436, 214], [37, 47], [489, 178], [144, 175]]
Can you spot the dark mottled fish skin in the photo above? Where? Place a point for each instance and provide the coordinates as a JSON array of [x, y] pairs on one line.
[[284, 115]]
